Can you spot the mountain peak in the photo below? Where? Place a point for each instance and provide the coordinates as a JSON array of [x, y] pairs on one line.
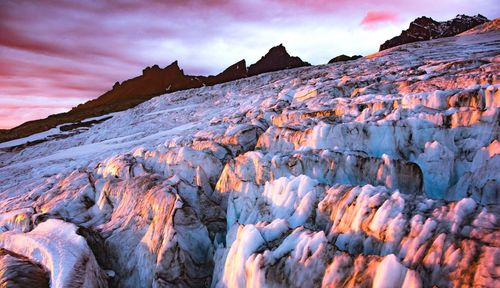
[[277, 58], [154, 81], [344, 57], [173, 66], [425, 28]]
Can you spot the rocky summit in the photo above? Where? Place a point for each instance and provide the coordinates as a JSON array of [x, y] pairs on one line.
[[425, 28], [379, 172], [276, 59], [344, 57]]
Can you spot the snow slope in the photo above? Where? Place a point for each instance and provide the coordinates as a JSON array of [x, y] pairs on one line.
[[381, 171]]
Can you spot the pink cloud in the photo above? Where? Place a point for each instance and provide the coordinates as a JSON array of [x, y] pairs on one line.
[[374, 18], [11, 117]]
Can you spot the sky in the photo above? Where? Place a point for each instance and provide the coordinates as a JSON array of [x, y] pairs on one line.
[[55, 54]]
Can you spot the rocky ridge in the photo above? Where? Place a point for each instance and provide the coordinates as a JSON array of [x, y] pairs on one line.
[[276, 59], [344, 57], [381, 172], [154, 81], [426, 28]]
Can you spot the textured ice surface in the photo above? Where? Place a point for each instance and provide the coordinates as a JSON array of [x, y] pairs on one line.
[[382, 171], [55, 245]]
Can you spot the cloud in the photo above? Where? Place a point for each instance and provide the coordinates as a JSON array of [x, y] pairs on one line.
[[374, 18], [17, 110], [12, 117]]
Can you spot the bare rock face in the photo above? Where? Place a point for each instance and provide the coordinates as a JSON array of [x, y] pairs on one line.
[[343, 57], [276, 59], [383, 172], [425, 28]]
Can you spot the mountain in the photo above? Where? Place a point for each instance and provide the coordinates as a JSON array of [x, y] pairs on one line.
[[153, 82], [425, 28], [379, 172], [343, 57], [277, 58], [484, 28]]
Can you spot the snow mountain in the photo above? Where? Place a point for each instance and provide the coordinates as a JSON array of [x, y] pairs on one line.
[[382, 171], [426, 28]]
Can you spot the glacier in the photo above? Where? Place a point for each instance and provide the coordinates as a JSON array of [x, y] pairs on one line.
[[383, 171]]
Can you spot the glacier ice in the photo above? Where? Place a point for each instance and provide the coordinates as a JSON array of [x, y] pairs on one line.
[[381, 172]]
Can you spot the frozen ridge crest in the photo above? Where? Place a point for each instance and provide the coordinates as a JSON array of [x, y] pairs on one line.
[[383, 171]]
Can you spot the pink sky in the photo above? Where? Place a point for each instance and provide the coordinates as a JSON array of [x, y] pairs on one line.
[[55, 54]]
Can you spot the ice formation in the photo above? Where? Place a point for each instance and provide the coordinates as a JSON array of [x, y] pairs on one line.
[[382, 171]]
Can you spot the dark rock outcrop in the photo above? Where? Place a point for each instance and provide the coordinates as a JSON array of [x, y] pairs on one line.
[[276, 59], [154, 81], [344, 57], [233, 72], [426, 28]]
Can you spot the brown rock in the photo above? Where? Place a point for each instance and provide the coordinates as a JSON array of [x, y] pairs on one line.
[[425, 28], [276, 59], [344, 57]]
